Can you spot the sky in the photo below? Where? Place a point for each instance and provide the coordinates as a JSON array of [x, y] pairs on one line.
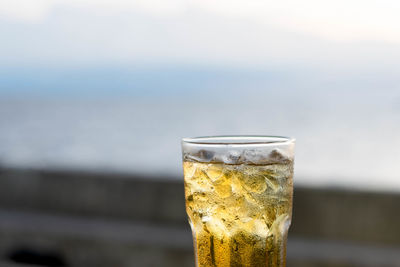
[[301, 34], [90, 82]]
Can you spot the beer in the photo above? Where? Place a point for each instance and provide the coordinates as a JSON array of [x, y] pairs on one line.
[[239, 211]]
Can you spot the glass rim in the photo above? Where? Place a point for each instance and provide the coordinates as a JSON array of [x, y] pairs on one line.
[[239, 140]]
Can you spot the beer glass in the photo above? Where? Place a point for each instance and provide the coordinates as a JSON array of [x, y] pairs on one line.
[[239, 192]]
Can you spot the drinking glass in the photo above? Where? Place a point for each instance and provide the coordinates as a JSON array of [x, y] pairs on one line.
[[239, 192]]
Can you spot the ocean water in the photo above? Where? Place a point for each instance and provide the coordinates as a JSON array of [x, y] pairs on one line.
[[347, 126]]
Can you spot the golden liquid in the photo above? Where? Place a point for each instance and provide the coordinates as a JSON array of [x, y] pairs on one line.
[[239, 214]]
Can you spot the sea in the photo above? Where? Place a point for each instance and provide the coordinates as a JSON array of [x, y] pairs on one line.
[[131, 119]]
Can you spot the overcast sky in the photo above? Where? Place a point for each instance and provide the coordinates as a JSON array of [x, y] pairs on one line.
[[311, 33], [326, 72]]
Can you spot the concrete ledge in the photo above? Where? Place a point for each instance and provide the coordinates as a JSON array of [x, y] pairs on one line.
[[332, 214], [93, 242], [340, 214], [68, 227], [7, 264], [104, 195]]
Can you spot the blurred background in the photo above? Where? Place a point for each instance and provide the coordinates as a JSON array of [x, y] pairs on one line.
[[96, 95]]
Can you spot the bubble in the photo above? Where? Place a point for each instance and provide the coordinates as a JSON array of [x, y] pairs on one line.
[[246, 219], [206, 218]]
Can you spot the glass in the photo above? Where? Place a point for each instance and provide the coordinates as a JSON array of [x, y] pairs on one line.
[[239, 192]]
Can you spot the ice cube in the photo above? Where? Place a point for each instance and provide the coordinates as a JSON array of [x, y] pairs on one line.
[[235, 183], [252, 181], [254, 156], [216, 226], [189, 169], [272, 183], [201, 156], [214, 172], [278, 156], [256, 227], [223, 190], [232, 157]]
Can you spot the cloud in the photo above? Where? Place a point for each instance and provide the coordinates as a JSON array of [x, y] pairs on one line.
[[38, 10], [341, 20], [24, 10], [233, 33]]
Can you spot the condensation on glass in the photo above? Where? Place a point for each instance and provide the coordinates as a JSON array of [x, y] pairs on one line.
[[239, 192]]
